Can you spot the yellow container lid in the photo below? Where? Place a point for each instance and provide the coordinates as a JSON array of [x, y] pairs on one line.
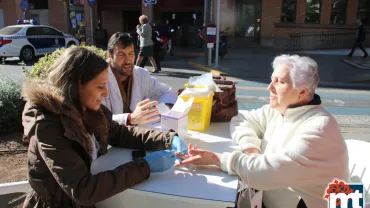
[[199, 86]]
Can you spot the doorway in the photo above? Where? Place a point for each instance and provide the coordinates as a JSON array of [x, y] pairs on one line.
[[185, 26], [130, 20], [248, 20]]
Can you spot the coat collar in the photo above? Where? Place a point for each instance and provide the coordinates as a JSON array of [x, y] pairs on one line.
[[293, 113], [42, 96]]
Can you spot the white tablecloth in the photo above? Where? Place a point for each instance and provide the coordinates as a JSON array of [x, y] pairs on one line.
[[178, 187]]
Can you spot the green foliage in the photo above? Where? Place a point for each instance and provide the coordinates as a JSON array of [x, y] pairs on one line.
[[41, 68], [11, 105]]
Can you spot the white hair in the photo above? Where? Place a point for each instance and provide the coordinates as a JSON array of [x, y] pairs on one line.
[[302, 70]]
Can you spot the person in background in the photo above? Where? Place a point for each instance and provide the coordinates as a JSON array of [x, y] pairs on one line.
[[101, 36], [291, 149], [360, 39], [69, 129], [133, 92], [159, 52], [144, 30]]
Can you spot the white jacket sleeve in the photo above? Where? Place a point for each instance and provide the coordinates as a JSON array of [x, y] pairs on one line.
[[307, 160], [161, 92], [121, 119], [248, 127]]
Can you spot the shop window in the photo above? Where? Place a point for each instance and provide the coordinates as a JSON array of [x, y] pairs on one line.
[[363, 11], [76, 16], [338, 11], [313, 11], [288, 11]]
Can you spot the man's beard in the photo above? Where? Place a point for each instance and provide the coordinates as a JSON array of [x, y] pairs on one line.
[[120, 69]]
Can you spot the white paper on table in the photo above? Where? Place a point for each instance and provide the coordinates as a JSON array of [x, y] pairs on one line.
[[162, 108], [180, 108]]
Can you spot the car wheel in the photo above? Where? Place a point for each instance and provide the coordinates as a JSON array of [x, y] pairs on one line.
[[27, 54], [71, 44]]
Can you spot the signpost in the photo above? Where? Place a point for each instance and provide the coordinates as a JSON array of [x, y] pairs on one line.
[[150, 1], [217, 32], [24, 6], [209, 36], [92, 2]]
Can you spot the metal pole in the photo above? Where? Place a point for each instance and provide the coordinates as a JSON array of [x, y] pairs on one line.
[[204, 24], [209, 56], [218, 32], [92, 27]]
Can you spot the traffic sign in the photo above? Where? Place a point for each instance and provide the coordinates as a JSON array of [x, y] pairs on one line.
[[24, 4], [150, 1], [92, 2]]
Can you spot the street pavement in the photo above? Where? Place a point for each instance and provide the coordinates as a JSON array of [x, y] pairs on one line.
[[255, 64], [351, 107]]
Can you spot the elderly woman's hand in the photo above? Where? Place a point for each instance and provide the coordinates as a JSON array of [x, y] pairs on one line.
[[251, 150], [199, 157]]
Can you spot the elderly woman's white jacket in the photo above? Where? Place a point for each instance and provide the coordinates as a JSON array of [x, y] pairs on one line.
[[143, 86], [302, 152]]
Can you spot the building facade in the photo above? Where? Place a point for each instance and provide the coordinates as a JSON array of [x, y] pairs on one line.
[[269, 23]]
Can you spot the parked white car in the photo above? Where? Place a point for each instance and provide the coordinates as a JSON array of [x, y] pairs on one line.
[[27, 41]]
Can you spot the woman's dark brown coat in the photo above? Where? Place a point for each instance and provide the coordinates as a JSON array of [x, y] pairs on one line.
[[59, 153]]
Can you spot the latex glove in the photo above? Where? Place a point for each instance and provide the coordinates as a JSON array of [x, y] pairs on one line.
[[178, 145], [160, 161]]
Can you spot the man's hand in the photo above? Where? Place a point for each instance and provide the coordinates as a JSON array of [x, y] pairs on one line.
[[251, 150], [145, 112]]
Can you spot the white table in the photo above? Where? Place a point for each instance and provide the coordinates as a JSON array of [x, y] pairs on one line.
[[189, 187]]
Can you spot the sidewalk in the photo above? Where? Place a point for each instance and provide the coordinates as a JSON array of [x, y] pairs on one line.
[[351, 108], [255, 64]]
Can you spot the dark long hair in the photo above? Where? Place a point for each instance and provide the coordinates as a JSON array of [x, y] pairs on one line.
[[75, 66]]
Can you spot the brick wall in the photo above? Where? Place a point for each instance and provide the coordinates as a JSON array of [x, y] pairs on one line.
[[301, 35], [351, 11], [325, 11], [87, 14], [300, 11], [284, 32], [12, 11], [19, 12], [271, 11], [58, 15]]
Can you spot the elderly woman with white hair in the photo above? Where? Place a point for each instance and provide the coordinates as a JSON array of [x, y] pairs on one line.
[[292, 148]]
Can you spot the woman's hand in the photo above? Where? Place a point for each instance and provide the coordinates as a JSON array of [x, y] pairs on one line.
[[160, 161], [199, 157]]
